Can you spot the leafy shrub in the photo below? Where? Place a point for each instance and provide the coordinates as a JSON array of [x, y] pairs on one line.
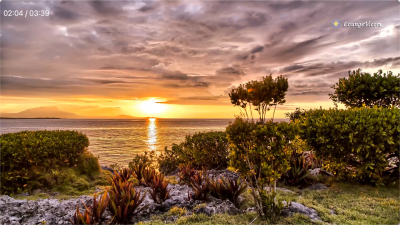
[[147, 159], [360, 89], [201, 186], [159, 191], [186, 172], [358, 143], [261, 153], [27, 154], [208, 149], [226, 188]]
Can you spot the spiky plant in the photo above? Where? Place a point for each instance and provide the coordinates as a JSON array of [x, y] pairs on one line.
[[125, 173], [148, 176], [298, 171], [78, 218], [159, 191], [137, 171], [201, 186], [99, 206], [186, 172], [226, 188], [124, 201]]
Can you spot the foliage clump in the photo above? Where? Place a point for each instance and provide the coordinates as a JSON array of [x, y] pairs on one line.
[[260, 96], [226, 188], [207, 149], [261, 153], [29, 158], [356, 144], [360, 89]]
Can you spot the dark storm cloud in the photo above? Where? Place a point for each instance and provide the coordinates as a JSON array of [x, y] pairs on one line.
[[232, 70], [257, 49], [205, 46]]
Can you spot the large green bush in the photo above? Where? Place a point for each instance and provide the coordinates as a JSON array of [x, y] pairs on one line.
[[208, 149], [358, 143], [261, 153], [27, 154], [360, 89]]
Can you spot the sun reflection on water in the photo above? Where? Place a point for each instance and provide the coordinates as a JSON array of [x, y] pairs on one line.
[[152, 134]]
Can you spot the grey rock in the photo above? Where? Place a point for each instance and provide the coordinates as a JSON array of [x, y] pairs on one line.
[[107, 168], [332, 212], [318, 186], [205, 210], [37, 191], [296, 207], [314, 171]]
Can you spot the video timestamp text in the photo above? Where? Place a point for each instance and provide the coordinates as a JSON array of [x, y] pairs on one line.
[[26, 13]]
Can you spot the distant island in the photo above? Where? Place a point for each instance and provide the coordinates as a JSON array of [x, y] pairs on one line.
[[30, 118], [56, 113]]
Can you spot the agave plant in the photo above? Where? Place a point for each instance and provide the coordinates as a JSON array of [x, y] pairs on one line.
[[226, 188], [86, 218], [124, 201], [148, 176], [186, 173], [159, 191], [298, 171], [201, 186]]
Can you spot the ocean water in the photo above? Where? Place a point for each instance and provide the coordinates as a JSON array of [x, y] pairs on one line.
[[117, 141]]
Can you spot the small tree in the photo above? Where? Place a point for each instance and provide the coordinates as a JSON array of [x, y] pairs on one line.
[[296, 114], [261, 153], [363, 88], [260, 95]]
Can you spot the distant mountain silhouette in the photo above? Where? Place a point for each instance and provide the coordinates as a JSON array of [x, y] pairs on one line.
[[42, 112], [54, 112]]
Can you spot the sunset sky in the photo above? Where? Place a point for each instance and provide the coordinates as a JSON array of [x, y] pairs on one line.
[[180, 59]]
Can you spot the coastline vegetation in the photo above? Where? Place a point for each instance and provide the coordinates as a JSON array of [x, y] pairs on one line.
[[356, 146]]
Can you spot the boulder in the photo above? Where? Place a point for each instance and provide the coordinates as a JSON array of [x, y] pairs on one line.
[[296, 207]]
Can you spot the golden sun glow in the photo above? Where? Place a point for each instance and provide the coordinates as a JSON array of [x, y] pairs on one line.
[[152, 108]]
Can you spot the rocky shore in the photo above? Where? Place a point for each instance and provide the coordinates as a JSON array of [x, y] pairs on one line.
[[53, 211]]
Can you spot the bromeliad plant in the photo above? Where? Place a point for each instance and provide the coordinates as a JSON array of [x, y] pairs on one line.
[[92, 214], [226, 188], [298, 171], [137, 171], [78, 218], [124, 200], [186, 173], [201, 185], [99, 206], [159, 191], [148, 177], [125, 174]]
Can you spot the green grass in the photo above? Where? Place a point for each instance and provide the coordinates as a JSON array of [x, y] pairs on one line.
[[351, 203]]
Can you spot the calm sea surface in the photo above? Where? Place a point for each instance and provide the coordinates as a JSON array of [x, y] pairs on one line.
[[117, 141]]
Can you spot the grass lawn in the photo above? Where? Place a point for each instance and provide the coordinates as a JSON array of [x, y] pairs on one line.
[[350, 203]]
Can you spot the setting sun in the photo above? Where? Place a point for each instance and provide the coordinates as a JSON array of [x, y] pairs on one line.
[[152, 108]]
